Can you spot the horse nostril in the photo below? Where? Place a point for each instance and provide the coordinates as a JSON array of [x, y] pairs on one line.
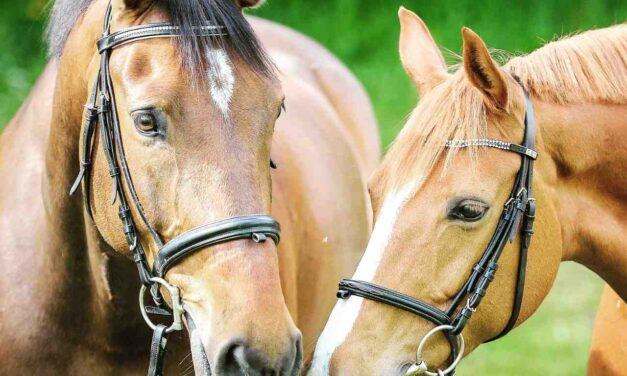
[[295, 361], [237, 358], [226, 364], [252, 362]]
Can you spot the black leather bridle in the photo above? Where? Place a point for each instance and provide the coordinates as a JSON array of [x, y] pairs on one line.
[[101, 113], [520, 207]]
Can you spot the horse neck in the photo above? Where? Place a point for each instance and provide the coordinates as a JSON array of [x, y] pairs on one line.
[[586, 144], [82, 264]]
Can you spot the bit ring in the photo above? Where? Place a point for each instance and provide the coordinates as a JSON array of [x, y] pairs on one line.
[[177, 306], [421, 366]]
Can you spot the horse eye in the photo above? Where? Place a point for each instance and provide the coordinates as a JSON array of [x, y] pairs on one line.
[[145, 122], [468, 211]]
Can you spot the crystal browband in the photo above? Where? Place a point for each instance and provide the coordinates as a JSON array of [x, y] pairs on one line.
[[496, 144]]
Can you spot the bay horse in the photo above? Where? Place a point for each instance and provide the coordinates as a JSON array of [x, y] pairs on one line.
[[201, 120], [444, 185]]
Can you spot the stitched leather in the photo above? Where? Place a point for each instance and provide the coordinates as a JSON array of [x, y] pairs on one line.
[[244, 227], [154, 30], [348, 287], [157, 351]]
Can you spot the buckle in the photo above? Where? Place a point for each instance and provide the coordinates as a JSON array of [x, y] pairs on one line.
[[522, 192], [468, 307], [91, 112]]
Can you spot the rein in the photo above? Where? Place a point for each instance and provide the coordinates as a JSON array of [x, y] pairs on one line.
[[519, 208], [101, 114]]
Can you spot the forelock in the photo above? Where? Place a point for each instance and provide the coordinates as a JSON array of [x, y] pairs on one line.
[[241, 42]]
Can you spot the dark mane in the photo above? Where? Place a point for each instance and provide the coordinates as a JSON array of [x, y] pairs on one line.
[[63, 16], [241, 41]]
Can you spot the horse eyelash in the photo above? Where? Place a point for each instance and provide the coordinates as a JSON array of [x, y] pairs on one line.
[[282, 107]]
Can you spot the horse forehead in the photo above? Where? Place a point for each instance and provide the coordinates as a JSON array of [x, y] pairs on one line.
[[148, 53], [146, 72], [153, 68]]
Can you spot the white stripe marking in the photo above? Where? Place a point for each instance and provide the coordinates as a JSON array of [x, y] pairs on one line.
[[345, 312], [221, 79]]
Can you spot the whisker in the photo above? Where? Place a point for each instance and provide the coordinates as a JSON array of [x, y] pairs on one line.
[[189, 368], [185, 358]]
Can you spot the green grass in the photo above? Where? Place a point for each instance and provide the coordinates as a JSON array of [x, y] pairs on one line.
[[364, 35], [555, 340]]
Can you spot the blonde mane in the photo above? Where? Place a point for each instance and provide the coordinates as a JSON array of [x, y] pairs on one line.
[[589, 67]]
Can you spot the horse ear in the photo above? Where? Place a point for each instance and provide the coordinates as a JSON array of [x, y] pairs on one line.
[[249, 3], [482, 71], [420, 56]]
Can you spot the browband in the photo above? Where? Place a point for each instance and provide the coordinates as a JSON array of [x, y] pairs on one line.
[[497, 144], [156, 30]]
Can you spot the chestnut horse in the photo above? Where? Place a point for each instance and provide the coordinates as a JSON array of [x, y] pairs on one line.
[[69, 303], [609, 338], [436, 209]]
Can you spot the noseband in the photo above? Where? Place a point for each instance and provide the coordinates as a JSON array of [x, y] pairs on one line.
[[101, 113], [520, 207]]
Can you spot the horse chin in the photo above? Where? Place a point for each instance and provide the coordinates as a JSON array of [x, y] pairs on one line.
[[199, 357]]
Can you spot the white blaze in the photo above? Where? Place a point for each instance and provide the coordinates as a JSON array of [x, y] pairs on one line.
[[345, 312], [221, 79]]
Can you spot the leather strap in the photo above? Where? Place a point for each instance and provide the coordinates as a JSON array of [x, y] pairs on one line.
[[155, 30], [348, 287], [157, 351], [256, 227], [528, 219]]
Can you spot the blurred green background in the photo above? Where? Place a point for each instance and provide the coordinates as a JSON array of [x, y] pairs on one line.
[[364, 35]]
